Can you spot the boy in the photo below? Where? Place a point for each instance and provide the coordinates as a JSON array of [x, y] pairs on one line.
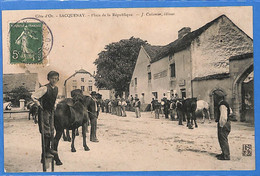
[[45, 98]]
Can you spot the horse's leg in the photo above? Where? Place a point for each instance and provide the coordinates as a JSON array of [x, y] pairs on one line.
[[84, 137], [188, 118], [56, 143], [72, 142], [29, 115], [208, 114], [68, 135], [194, 118], [34, 118], [189, 121], [64, 136], [203, 116], [77, 132]]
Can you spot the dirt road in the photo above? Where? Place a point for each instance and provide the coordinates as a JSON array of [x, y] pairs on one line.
[[130, 144]]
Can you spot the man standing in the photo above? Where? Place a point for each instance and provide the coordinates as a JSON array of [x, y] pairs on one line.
[[45, 98], [156, 107], [224, 128], [166, 106], [137, 105]]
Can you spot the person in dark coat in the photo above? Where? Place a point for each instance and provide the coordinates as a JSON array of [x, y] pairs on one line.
[[224, 128], [179, 109], [137, 105], [166, 106], [45, 98], [156, 107]]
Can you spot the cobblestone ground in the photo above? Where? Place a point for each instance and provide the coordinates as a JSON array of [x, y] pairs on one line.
[[130, 144]]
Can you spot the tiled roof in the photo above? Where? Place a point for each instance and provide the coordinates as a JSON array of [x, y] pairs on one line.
[[11, 81]]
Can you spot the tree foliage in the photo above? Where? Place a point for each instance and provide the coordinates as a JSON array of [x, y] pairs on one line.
[[115, 65], [19, 93]]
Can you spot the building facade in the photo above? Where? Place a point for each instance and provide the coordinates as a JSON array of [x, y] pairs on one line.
[[85, 81], [81, 79], [212, 60]]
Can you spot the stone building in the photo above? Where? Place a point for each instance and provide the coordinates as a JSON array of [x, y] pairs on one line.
[[81, 79], [85, 81], [210, 61]]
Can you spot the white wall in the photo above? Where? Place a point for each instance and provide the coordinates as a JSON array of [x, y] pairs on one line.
[[212, 49]]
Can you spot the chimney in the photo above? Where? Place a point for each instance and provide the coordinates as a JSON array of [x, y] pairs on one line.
[[183, 32]]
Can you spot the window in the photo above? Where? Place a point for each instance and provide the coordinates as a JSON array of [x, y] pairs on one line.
[[149, 77], [74, 87], [173, 70], [135, 81], [183, 93], [83, 88], [155, 94], [90, 88], [82, 79], [90, 81], [148, 67], [74, 80]]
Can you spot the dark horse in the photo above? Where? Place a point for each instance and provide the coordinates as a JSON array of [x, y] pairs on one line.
[[33, 110], [189, 108], [71, 116], [91, 106]]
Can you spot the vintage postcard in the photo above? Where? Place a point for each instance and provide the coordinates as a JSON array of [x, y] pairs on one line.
[[147, 89]]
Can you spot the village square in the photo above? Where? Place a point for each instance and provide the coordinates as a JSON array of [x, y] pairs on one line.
[[182, 106]]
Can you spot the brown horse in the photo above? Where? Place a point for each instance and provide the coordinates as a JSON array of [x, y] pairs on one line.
[[189, 108], [33, 110], [70, 114], [91, 106]]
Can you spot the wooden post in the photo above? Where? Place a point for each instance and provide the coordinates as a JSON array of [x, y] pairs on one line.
[[52, 139], [43, 143]]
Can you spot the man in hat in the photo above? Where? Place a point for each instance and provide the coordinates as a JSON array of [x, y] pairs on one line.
[[224, 128]]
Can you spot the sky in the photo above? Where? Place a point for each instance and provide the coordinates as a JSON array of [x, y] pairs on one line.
[[80, 34]]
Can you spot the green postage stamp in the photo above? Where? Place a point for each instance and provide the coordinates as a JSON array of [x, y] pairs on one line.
[[26, 43]]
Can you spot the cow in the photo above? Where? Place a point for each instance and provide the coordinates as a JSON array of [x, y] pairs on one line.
[[33, 110], [189, 108], [70, 117]]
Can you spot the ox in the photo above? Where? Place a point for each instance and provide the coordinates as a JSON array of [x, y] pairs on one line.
[[70, 117], [33, 110]]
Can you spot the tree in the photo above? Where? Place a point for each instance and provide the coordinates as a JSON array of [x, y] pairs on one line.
[[115, 65], [19, 93]]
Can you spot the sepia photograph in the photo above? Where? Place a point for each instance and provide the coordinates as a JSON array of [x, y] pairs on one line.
[[128, 89]]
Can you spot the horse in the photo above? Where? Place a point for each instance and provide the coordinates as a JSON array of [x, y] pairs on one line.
[[91, 106], [189, 108], [33, 110], [203, 108], [67, 116]]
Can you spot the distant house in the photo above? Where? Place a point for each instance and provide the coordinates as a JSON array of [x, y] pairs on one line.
[[81, 79], [14, 80], [85, 81], [210, 61]]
